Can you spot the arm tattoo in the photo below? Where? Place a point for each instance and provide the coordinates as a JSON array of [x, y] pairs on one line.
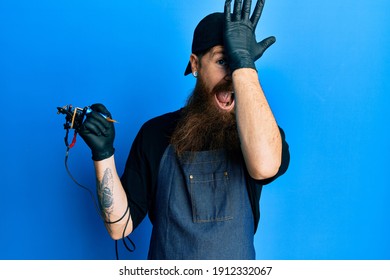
[[105, 193]]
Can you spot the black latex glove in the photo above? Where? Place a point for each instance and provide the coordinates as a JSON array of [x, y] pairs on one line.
[[98, 133], [241, 47]]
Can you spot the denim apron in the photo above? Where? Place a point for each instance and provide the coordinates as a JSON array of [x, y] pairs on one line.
[[202, 208]]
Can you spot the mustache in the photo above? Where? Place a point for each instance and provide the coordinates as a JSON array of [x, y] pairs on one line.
[[223, 85]]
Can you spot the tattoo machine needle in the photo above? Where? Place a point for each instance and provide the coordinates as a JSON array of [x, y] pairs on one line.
[[89, 110]]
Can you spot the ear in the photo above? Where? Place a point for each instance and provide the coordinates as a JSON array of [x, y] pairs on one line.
[[194, 60]]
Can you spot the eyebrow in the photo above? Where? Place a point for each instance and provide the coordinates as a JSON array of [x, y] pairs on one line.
[[214, 53]]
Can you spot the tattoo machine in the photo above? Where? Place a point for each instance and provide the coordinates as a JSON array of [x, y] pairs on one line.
[[74, 117]]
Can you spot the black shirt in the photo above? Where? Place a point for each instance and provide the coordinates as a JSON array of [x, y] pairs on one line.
[[141, 170]]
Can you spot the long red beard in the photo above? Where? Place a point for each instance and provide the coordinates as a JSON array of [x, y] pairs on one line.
[[203, 126]]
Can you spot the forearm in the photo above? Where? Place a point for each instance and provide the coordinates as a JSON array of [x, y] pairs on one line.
[[259, 133], [112, 199]]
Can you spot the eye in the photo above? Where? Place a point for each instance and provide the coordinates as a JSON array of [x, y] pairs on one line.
[[221, 62]]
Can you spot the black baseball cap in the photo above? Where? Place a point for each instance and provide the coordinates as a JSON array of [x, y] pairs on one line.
[[208, 33]]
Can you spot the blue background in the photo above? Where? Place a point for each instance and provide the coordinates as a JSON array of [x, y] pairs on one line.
[[326, 79]]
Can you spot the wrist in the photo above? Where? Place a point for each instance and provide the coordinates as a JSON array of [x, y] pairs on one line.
[[101, 155], [241, 60], [245, 75], [102, 165]]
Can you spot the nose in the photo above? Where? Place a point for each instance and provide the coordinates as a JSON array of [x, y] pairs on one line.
[[228, 76]]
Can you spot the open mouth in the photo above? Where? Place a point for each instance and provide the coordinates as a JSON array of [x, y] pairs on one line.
[[225, 100]]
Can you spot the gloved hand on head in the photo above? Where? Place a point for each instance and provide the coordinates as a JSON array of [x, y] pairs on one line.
[[240, 43]]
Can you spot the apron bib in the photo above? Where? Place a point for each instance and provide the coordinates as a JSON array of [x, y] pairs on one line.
[[202, 208]]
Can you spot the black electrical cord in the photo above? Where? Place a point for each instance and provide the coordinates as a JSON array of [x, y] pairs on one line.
[[80, 185], [98, 209], [72, 120], [124, 241]]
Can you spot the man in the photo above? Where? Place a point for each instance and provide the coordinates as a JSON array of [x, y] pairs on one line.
[[198, 172]]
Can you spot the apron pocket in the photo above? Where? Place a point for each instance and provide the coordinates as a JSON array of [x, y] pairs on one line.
[[210, 197]]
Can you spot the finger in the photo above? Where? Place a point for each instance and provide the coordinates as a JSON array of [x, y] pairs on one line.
[[267, 42], [257, 13], [82, 130], [264, 45], [91, 128], [227, 10], [101, 109], [96, 123], [246, 9], [237, 10]]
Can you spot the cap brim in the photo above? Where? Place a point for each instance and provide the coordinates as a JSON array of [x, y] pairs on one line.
[[188, 69]]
